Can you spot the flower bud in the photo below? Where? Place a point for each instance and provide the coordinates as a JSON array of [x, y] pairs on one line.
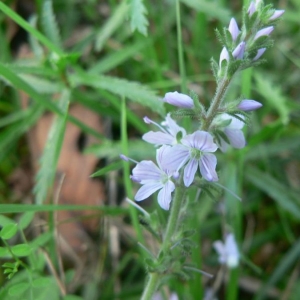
[[251, 10], [249, 105], [264, 31], [260, 52], [224, 55], [178, 99], [233, 29], [238, 52], [277, 14]]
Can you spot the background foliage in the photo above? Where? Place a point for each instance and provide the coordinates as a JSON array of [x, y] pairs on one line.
[[86, 52]]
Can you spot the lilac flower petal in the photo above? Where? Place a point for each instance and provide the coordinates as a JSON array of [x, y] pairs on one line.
[[164, 196], [200, 140], [220, 249], [233, 29], [178, 99], [251, 10], [173, 127], [235, 123], [224, 55], [207, 165], [146, 170], [260, 52], [147, 189], [175, 157], [158, 138], [160, 155], [238, 52], [190, 171], [249, 105], [265, 31], [232, 251], [277, 14], [236, 137]]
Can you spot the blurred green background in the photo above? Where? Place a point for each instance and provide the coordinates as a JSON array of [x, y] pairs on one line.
[[84, 54]]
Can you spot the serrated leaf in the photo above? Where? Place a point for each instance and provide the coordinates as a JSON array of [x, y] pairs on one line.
[[21, 250], [8, 231], [49, 23], [49, 159], [273, 96], [138, 20], [134, 91]]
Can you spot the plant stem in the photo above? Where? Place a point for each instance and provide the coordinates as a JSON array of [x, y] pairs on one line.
[[180, 49], [213, 109], [171, 228]]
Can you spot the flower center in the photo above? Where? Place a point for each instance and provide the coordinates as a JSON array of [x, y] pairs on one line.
[[195, 153]]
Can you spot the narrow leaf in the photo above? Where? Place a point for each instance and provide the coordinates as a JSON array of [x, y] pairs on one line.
[[138, 20], [46, 173]]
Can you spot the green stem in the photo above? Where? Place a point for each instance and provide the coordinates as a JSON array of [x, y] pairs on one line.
[[180, 49], [213, 109], [171, 228]]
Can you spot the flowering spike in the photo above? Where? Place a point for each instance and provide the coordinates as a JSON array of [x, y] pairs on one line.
[[224, 55], [238, 52], [265, 31], [277, 14], [249, 105], [260, 52], [178, 99], [251, 10], [233, 29]]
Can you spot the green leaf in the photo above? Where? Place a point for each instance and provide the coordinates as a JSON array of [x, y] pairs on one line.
[[49, 23], [18, 289], [4, 252], [9, 231], [20, 21], [26, 219], [21, 250], [49, 159], [132, 90], [111, 167], [275, 189], [212, 9], [20, 208], [41, 282], [111, 25], [138, 20], [274, 96]]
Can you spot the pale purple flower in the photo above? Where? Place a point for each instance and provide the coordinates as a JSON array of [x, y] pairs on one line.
[[263, 32], [249, 105], [277, 14], [194, 151], [154, 178], [167, 135], [233, 29], [178, 99], [228, 251], [224, 55], [251, 10], [259, 53], [233, 132], [238, 52]]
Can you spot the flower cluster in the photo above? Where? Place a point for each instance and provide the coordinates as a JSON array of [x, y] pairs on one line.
[[251, 42], [180, 155]]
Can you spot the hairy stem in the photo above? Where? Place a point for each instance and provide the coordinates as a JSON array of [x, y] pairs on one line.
[[154, 278]]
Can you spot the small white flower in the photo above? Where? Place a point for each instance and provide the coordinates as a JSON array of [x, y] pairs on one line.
[[228, 251]]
